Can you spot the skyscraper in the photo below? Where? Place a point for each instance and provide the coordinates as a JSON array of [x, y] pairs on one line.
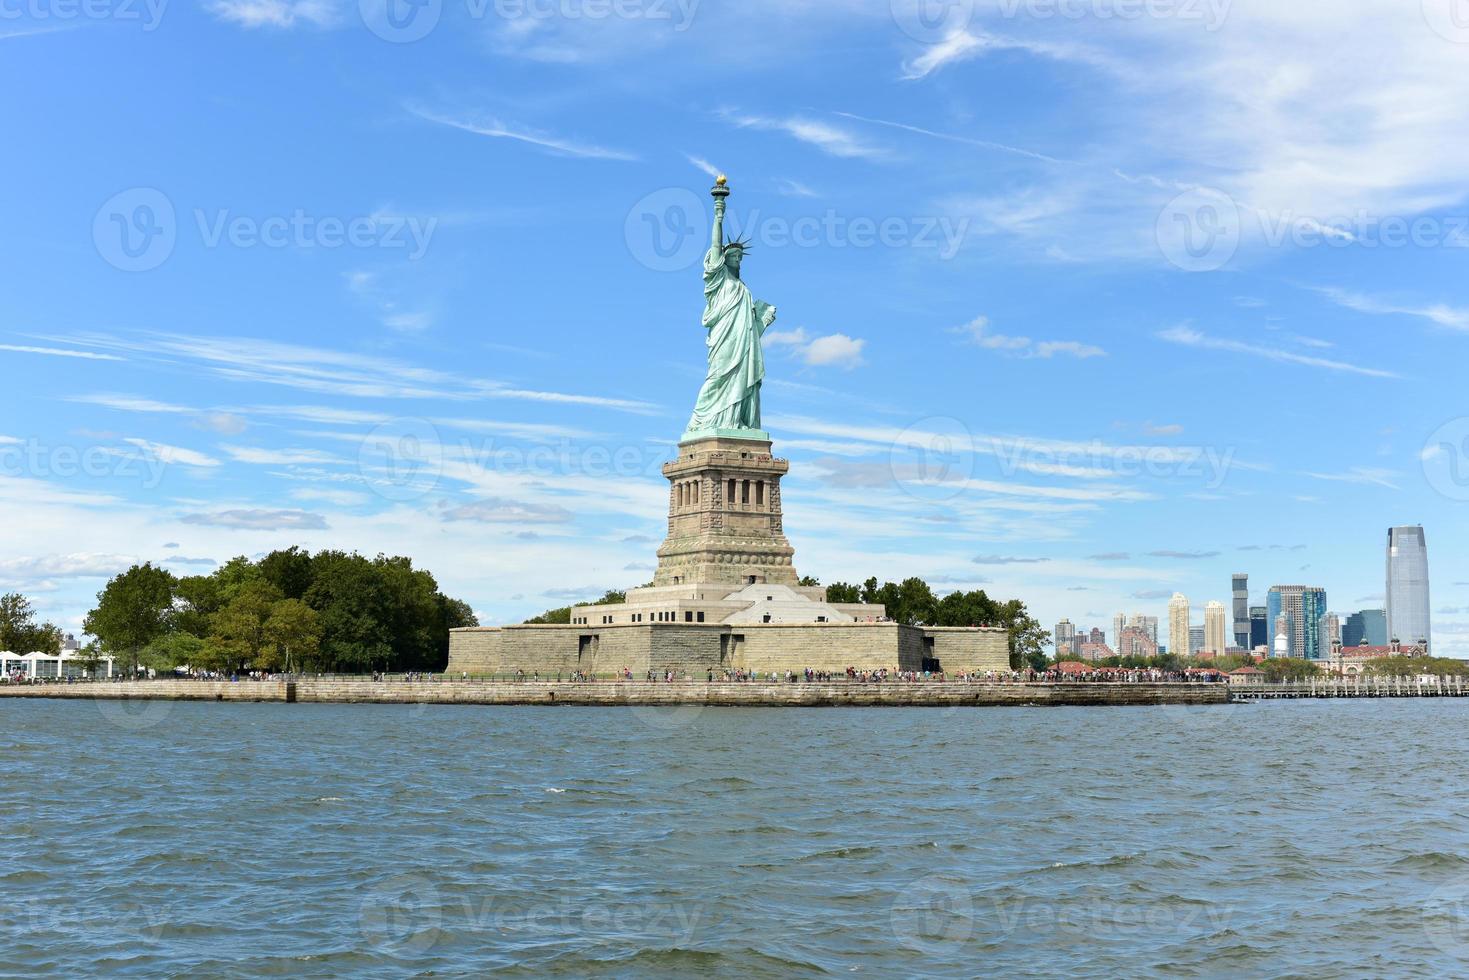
[[1195, 640], [1300, 608], [1178, 625], [1328, 636], [1065, 638], [1241, 583], [1407, 586], [1368, 626], [1119, 623], [1259, 627], [1215, 641]]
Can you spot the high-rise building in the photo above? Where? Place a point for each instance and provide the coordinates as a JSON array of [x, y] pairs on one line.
[[1145, 624], [1096, 637], [1178, 625], [1195, 640], [1407, 586], [1241, 589], [1136, 643], [1065, 636], [1119, 623], [1299, 609], [1368, 626], [1328, 637], [1259, 627], [1215, 637]]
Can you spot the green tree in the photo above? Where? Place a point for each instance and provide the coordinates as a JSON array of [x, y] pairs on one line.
[[561, 615], [176, 649], [842, 592], [289, 570], [239, 632], [295, 630], [1277, 669], [133, 610], [19, 631], [808, 580], [196, 599]]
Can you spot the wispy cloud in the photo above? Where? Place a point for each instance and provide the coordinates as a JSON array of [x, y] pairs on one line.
[[1367, 476], [963, 45], [1189, 337], [59, 352], [275, 13], [492, 127], [1440, 314], [953, 138], [824, 136], [703, 165], [978, 333], [259, 520]]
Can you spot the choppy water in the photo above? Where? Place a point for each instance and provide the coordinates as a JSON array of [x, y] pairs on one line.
[[1295, 839]]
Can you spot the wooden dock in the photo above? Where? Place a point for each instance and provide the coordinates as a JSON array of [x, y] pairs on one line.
[[1354, 687]]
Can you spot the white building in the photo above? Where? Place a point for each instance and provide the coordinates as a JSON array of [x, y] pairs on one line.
[[49, 666], [1215, 637]]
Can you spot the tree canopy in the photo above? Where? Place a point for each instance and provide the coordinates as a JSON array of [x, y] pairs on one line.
[[19, 630], [291, 610], [913, 601]]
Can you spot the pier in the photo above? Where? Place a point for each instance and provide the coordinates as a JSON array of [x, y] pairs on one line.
[[1368, 686]]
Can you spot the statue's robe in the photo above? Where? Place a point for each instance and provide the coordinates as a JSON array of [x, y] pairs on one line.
[[730, 397]]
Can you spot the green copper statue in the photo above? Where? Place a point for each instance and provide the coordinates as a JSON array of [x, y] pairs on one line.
[[729, 401]]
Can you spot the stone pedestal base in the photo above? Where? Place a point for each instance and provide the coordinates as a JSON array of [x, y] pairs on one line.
[[724, 516]]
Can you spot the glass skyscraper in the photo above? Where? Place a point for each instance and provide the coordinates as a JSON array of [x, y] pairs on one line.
[[1368, 626], [1259, 627], [1302, 606], [1407, 586], [1240, 589]]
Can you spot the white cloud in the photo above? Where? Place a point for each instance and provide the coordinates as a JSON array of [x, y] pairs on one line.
[[408, 322], [275, 13], [826, 137], [978, 332], [1188, 337], [252, 519], [341, 498], [1360, 474], [832, 350], [59, 352], [172, 454], [1441, 314], [280, 457], [490, 126], [703, 165], [77, 565]]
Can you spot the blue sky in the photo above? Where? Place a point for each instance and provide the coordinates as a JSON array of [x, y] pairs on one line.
[[1085, 302]]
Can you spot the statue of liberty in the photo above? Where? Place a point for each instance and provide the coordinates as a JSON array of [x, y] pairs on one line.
[[734, 321]]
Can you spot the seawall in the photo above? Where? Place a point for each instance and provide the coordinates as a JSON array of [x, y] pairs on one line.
[[608, 693]]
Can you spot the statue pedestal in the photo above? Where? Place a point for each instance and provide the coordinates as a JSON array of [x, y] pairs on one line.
[[724, 515]]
